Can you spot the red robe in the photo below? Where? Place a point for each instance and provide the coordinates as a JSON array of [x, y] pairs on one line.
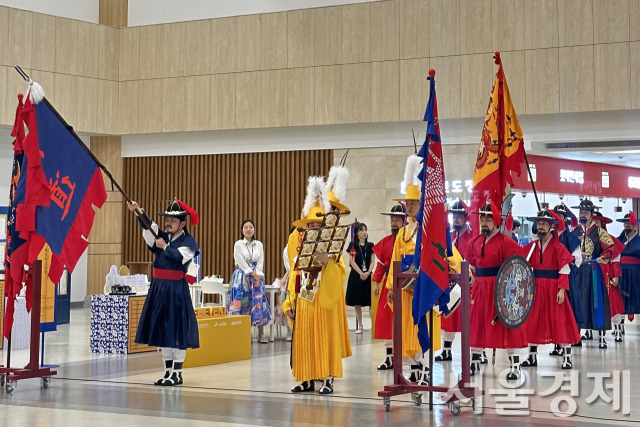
[[452, 322], [384, 315], [611, 270], [483, 334], [550, 322]]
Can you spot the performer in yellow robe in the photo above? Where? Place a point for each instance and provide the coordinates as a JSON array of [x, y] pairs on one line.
[[320, 331], [403, 250]]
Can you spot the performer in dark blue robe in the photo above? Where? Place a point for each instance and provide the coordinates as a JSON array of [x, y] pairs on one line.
[[597, 248], [630, 265], [572, 243], [168, 319]]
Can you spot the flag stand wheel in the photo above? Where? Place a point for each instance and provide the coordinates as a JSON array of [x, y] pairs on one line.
[[9, 376], [463, 389]]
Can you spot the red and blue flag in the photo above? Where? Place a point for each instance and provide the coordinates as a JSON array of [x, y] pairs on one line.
[[433, 244]]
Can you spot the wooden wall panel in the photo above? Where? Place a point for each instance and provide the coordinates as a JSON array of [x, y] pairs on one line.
[[108, 51], [612, 21], [328, 35], [476, 78], [385, 91], [223, 101], [198, 48], [98, 266], [515, 71], [327, 90], [150, 106], [44, 42], [19, 48], [274, 98], [355, 99], [107, 107], [507, 25], [444, 24], [8, 100], [612, 76], [129, 57], [448, 78], [541, 25], [174, 104], [114, 12], [67, 33], [151, 48], [128, 105], [198, 103], [474, 16], [300, 42], [634, 52], [249, 99], [174, 43], [385, 31], [4, 35], [64, 98], [224, 42], [413, 88], [274, 41], [249, 48], [576, 79], [634, 18], [575, 22], [414, 40], [88, 53], [87, 104], [356, 33], [300, 97], [542, 80], [225, 189]]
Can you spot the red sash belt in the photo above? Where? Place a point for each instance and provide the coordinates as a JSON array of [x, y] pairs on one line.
[[159, 273], [629, 260]]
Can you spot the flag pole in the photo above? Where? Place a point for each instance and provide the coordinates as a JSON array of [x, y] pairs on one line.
[[533, 185], [138, 212]]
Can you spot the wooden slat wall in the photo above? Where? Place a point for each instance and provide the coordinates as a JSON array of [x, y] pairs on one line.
[[225, 189]]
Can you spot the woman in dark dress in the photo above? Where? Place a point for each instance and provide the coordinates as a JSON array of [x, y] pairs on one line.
[[362, 260]]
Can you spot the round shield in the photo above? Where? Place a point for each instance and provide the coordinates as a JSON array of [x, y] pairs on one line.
[[515, 292]]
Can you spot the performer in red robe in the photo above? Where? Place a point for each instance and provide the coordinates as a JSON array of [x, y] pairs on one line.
[[551, 319], [487, 252], [383, 251], [460, 238], [611, 273]]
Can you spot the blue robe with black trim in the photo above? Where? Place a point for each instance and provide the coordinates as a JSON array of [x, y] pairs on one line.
[[630, 281]]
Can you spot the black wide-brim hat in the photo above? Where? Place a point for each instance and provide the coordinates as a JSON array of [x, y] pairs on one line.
[[603, 219], [396, 210], [543, 215], [458, 208], [562, 210], [587, 205], [180, 210]]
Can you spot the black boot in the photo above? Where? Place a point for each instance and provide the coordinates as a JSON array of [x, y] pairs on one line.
[[416, 371], [475, 363], [176, 375], [602, 339], [304, 386], [588, 335], [327, 386], [514, 370], [532, 360], [445, 355], [622, 326], [483, 358], [388, 361], [617, 333], [566, 363], [557, 351], [168, 365], [425, 375]]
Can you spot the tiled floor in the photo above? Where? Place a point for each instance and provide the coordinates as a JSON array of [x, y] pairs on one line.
[[115, 390]]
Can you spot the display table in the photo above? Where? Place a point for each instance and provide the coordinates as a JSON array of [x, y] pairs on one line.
[[222, 339], [114, 322]]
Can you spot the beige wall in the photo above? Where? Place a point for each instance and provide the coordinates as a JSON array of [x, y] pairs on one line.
[[375, 175], [356, 63]]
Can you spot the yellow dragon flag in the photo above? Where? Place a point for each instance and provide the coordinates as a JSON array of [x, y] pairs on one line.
[[501, 148]]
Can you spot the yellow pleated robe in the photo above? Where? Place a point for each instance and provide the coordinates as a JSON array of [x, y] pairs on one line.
[[405, 245], [320, 330]]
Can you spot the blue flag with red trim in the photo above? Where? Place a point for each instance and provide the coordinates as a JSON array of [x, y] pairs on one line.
[[64, 182], [433, 244]]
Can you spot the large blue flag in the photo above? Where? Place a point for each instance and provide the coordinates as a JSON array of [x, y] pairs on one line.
[[433, 244]]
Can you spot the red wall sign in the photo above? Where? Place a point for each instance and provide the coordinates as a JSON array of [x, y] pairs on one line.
[[561, 176]]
